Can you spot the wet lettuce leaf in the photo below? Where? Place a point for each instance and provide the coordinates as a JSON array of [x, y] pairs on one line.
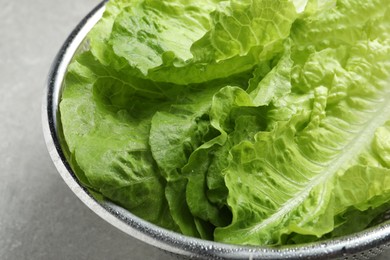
[[260, 122]]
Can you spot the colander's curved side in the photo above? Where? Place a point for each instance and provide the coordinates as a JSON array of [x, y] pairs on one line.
[[357, 246]]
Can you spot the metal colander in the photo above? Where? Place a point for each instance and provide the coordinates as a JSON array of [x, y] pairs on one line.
[[363, 245]]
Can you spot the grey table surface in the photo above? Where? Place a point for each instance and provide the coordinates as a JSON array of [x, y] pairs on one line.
[[40, 218]]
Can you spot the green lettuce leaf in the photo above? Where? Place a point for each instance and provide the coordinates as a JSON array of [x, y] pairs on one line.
[[184, 42], [100, 131], [287, 180], [260, 122]]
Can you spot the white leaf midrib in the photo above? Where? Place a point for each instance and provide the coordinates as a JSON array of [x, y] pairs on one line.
[[351, 151]]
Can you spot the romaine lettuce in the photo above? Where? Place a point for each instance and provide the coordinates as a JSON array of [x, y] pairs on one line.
[[259, 122]]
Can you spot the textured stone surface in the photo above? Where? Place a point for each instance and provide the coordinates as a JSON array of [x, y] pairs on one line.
[[40, 218]]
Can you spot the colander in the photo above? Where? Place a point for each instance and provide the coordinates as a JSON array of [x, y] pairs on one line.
[[362, 245]]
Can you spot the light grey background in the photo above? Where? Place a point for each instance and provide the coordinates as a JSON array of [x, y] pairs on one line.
[[40, 218]]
